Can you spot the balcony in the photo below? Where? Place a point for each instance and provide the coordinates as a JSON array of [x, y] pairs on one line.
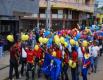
[[70, 5]]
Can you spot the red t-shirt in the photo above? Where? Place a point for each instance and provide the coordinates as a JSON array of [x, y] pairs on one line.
[[30, 56], [59, 54], [74, 56], [66, 58], [38, 53]]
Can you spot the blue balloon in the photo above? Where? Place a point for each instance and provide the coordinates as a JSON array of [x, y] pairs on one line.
[[47, 33], [75, 39], [78, 35]]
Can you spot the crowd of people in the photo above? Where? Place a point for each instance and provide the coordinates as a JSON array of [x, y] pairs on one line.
[[54, 54]]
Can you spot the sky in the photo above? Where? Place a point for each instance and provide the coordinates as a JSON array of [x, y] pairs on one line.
[[100, 3]]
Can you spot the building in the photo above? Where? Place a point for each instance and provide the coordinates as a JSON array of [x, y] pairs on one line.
[[64, 13], [10, 12], [99, 17]]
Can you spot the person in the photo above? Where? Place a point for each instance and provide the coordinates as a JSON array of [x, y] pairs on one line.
[[74, 59], [38, 54], [23, 60], [91, 55], [95, 55], [80, 56], [85, 64], [65, 67], [14, 62], [30, 62]]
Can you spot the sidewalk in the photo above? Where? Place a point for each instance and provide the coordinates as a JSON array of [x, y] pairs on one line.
[[4, 63], [4, 60]]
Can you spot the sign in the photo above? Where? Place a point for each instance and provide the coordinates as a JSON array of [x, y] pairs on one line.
[[23, 7]]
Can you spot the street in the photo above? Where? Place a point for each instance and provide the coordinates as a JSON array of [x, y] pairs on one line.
[[4, 73]]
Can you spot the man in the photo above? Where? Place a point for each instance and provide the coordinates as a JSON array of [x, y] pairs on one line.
[[95, 55], [14, 62], [74, 71], [30, 62]]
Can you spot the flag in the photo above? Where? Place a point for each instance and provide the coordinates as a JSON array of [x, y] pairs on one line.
[[54, 70]]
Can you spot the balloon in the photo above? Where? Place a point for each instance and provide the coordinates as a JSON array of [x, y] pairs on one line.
[[56, 36], [62, 40], [54, 53], [24, 37], [48, 45], [75, 38], [10, 38], [70, 63], [72, 41], [41, 40], [78, 35], [36, 47], [45, 40], [47, 33], [65, 44], [84, 43], [73, 65], [76, 43], [57, 41]]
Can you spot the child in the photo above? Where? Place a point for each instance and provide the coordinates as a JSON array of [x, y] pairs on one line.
[[85, 64]]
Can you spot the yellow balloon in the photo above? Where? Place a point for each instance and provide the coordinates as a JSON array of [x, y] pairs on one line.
[[10, 38], [45, 40], [41, 40], [72, 41], [85, 43], [56, 36], [36, 47], [54, 54], [65, 44], [74, 65], [76, 43], [57, 41], [24, 37], [62, 40], [70, 63]]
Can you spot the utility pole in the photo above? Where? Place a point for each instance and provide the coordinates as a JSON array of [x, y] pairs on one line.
[[48, 15]]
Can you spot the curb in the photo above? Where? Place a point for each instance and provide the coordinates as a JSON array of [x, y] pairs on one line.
[[4, 67]]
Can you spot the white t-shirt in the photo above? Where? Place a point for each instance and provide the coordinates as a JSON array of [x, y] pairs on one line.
[[24, 54], [80, 54], [95, 51], [91, 50]]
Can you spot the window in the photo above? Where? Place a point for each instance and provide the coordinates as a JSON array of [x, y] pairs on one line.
[[87, 2]]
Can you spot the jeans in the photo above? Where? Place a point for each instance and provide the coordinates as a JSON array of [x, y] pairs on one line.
[[84, 73], [75, 73], [95, 63], [30, 67], [23, 63], [13, 65], [64, 72]]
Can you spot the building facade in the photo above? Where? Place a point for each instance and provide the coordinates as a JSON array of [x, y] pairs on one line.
[[10, 12], [64, 13]]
